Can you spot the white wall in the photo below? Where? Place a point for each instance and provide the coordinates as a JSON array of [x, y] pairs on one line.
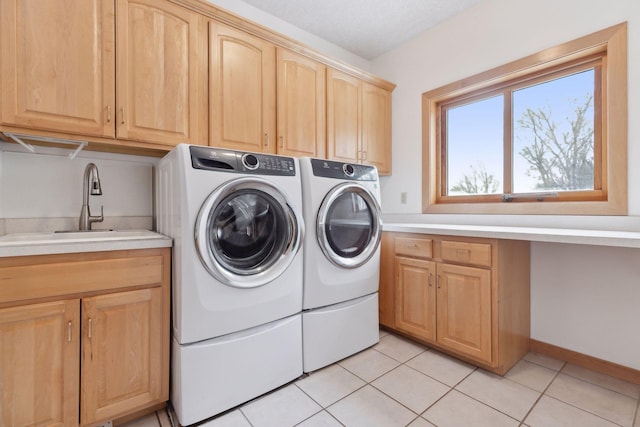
[[587, 299], [49, 185], [488, 35], [584, 298]]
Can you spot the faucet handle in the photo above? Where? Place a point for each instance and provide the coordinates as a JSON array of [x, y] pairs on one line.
[[97, 218]]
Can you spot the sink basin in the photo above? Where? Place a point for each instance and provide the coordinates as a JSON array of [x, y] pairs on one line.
[[76, 236], [83, 231]]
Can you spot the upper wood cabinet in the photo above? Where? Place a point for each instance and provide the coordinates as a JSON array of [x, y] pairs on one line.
[[376, 127], [301, 106], [160, 73], [358, 121], [242, 96], [59, 69], [142, 75], [57, 65], [343, 116]]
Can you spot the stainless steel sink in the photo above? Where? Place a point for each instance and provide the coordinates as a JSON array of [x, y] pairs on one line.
[[83, 231]]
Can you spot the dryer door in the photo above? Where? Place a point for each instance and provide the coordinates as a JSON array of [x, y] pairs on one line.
[[349, 225], [247, 232]]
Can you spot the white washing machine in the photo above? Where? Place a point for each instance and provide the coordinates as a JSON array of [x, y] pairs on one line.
[[341, 208], [237, 227]]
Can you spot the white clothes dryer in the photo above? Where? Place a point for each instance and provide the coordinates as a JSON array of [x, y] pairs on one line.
[[341, 207], [237, 228]]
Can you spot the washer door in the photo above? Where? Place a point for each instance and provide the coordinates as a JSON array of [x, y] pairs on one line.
[[349, 225], [247, 233]]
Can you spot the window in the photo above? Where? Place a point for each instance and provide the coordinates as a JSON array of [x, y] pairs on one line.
[[546, 134]]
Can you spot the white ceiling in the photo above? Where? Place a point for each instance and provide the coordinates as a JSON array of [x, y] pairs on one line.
[[367, 28]]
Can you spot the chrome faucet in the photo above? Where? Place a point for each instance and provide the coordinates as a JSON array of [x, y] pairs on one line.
[[90, 174]]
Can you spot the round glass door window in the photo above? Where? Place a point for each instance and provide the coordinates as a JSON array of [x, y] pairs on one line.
[[247, 233], [349, 225]]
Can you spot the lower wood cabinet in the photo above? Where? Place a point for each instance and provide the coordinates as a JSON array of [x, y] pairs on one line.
[[39, 364], [466, 296], [98, 349]]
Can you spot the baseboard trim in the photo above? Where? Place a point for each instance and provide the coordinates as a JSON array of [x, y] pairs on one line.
[[599, 365]]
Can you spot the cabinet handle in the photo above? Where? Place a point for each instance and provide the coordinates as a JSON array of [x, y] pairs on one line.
[[89, 328], [438, 281], [266, 139], [122, 113], [463, 251], [281, 142], [108, 113], [364, 155], [69, 331], [430, 280], [413, 246]]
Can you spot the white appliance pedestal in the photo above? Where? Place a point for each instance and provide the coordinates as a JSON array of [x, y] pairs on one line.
[[212, 376], [334, 332]]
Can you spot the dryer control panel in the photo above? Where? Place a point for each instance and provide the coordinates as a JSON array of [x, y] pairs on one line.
[[223, 160], [339, 170]]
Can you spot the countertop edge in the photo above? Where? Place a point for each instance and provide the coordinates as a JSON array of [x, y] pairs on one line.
[[89, 246], [627, 239]]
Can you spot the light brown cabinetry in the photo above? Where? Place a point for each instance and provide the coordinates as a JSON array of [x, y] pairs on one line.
[[160, 78], [376, 127], [358, 121], [83, 334], [59, 69], [242, 97], [301, 106], [464, 307], [465, 296], [145, 75], [264, 99], [416, 297], [58, 65], [39, 361]]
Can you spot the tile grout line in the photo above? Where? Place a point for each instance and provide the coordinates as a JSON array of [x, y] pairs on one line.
[[543, 393], [322, 407], [489, 406]]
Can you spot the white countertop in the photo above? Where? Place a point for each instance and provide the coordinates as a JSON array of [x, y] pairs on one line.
[[627, 239], [24, 244]]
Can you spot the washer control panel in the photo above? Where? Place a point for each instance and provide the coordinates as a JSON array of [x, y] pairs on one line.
[[339, 170], [223, 160]]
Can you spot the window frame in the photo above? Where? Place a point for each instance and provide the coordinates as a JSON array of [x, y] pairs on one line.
[[607, 49]]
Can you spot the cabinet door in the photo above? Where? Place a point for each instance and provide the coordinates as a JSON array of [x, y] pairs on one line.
[[242, 90], [159, 76], [301, 106], [39, 359], [464, 310], [121, 353], [58, 70], [343, 116], [416, 297], [376, 128]]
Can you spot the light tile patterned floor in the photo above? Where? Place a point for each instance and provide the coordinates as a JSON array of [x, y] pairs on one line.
[[400, 383]]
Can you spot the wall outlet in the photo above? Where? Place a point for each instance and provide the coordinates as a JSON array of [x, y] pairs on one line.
[[403, 198]]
